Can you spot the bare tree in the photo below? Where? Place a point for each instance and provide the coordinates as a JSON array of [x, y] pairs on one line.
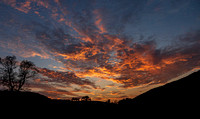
[[14, 76], [8, 65], [25, 72]]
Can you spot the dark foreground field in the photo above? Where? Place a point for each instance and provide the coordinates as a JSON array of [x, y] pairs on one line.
[[183, 94]]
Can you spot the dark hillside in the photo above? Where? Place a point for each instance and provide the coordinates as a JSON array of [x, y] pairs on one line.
[[23, 98], [29, 101], [180, 93]]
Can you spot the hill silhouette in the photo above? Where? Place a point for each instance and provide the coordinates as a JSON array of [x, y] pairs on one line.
[[17, 97], [179, 93], [30, 101]]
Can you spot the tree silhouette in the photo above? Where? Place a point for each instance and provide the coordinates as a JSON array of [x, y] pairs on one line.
[[25, 72], [14, 76], [85, 98], [108, 101]]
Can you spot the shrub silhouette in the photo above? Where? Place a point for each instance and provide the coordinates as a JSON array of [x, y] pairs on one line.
[[75, 99], [13, 75]]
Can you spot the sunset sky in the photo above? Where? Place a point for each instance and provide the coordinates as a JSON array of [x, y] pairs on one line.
[[106, 49]]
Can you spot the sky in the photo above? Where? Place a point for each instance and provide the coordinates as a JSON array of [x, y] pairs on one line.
[[106, 49]]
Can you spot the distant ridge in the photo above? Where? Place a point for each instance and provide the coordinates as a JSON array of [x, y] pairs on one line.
[[182, 92], [23, 98]]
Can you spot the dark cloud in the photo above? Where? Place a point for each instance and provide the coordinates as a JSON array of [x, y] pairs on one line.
[[67, 78], [116, 92], [57, 41], [58, 94], [117, 14], [190, 38], [42, 85]]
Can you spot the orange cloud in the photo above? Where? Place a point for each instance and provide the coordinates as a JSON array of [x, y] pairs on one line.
[[98, 22], [42, 3], [22, 6]]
